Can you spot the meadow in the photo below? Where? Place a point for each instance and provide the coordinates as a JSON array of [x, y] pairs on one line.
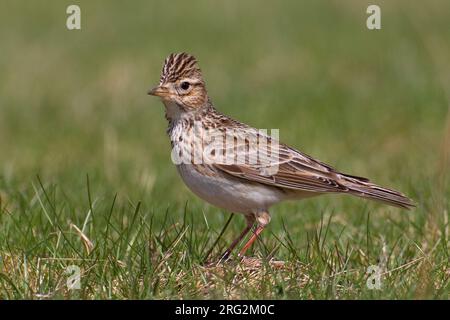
[[86, 178]]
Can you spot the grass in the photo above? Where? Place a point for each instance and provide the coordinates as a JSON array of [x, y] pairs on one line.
[[86, 178]]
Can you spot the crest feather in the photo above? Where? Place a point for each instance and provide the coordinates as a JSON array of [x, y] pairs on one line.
[[178, 66]]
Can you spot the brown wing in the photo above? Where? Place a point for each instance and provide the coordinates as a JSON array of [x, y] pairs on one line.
[[285, 179], [290, 169]]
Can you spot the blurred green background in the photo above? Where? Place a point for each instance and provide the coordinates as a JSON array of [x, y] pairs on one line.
[[74, 103]]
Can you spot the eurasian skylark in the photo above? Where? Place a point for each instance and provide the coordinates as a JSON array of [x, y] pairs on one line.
[[238, 168]]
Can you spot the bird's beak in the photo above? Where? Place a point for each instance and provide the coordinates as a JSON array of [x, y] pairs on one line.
[[159, 91]]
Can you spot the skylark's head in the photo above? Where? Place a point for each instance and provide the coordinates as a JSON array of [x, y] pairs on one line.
[[181, 82]]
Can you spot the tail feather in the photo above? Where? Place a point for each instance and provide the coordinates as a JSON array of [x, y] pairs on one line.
[[361, 187]]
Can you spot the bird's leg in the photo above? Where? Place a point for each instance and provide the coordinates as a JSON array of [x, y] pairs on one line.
[[263, 218], [250, 221], [249, 243]]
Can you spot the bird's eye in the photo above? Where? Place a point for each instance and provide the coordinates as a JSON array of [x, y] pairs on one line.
[[185, 85]]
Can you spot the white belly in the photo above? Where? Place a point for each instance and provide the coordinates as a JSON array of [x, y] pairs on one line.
[[230, 194]]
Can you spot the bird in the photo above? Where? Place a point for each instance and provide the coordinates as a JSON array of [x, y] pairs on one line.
[[219, 161]]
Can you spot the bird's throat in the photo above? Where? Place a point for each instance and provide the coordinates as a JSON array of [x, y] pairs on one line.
[[174, 111]]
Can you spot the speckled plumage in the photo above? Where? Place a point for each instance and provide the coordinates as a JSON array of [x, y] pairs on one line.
[[247, 188]]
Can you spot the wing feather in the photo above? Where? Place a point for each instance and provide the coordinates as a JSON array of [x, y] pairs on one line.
[[292, 169], [289, 169]]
